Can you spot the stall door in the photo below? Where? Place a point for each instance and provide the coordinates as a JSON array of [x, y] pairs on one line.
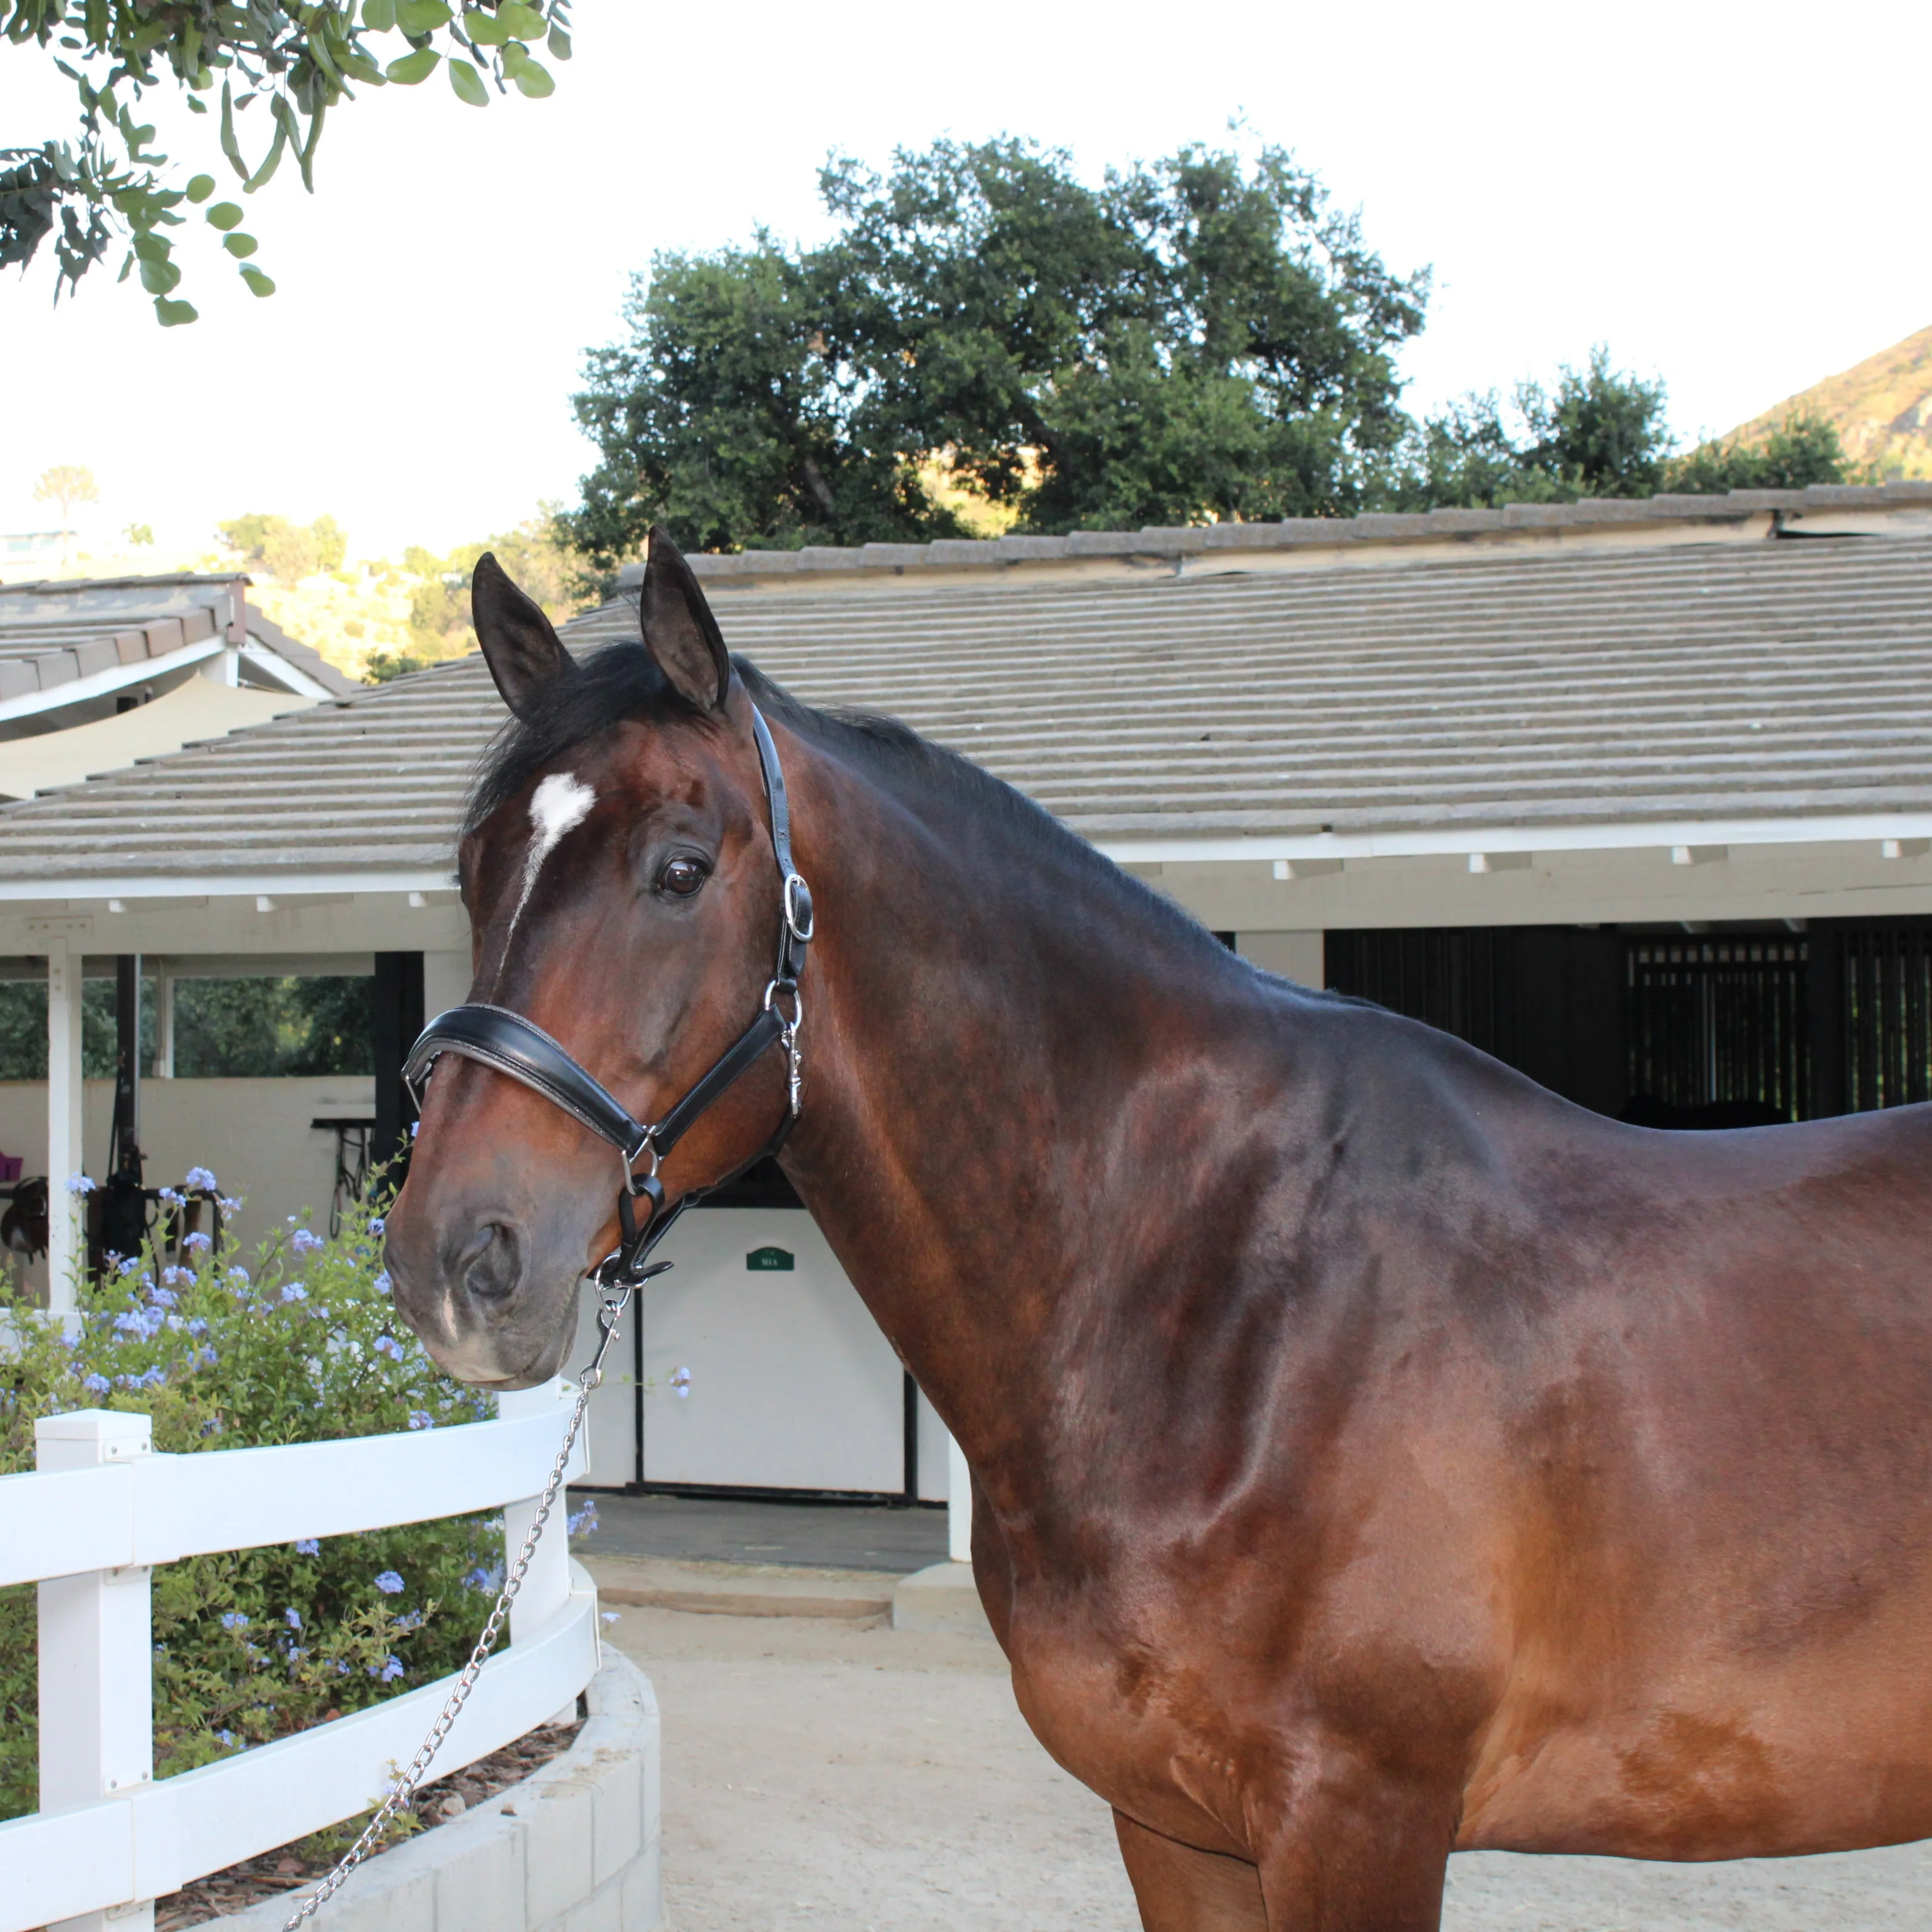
[[762, 1368]]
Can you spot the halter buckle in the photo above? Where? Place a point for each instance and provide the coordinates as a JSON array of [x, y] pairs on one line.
[[801, 921]]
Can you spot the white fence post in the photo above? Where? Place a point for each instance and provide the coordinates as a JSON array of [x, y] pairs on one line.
[[96, 1655], [958, 1504], [547, 1586]]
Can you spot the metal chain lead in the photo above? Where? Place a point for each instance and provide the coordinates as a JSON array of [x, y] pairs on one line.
[[611, 1309]]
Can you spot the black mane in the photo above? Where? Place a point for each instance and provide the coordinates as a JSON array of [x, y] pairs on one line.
[[620, 681]]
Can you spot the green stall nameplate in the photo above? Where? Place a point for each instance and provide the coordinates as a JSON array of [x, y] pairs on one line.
[[769, 1260]]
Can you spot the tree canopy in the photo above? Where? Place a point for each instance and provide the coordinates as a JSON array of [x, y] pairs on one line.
[[1204, 336], [1602, 432], [295, 62], [987, 343]]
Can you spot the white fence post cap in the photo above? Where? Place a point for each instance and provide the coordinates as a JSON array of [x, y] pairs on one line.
[[113, 1435]]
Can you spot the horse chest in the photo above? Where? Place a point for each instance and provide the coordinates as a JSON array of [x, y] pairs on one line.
[[1138, 1718]]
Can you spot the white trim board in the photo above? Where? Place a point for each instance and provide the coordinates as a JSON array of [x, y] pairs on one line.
[[1426, 842], [116, 677], [292, 885]]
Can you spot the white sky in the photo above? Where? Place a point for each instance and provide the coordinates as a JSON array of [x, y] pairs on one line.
[[1731, 198]]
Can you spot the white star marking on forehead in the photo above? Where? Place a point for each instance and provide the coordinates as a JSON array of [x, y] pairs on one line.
[[557, 805]]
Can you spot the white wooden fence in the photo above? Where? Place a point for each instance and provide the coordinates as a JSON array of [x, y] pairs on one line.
[[102, 1509]]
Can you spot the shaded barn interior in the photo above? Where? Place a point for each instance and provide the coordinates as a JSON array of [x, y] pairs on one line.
[[1737, 1027]]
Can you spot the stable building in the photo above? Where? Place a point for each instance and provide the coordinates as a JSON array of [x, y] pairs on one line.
[[1637, 795]]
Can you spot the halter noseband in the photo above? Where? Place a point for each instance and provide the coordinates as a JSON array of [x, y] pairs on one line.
[[520, 1048]]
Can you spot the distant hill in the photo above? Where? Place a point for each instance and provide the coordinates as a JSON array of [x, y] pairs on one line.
[[1882, 409]]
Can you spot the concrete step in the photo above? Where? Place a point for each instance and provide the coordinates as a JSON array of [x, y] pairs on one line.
[[740, 1589], [942, 1597]]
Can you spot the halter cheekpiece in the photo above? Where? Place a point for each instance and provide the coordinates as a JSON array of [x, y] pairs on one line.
[[520, 1048]]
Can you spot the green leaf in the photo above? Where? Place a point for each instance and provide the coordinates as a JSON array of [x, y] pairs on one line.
[[200, 188], [258, 282], [240, 245], [521, 22], [487, 30], [172, 314], [533, 78], [159, 278], [152, 248], [229, 145], [224, 214], [559, 44], [514, 55], [468, 84], [378, 15], [270, 161], [422, 16], [413, 67], [305, 156]]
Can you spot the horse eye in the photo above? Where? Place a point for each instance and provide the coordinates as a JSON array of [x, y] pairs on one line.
[[682, 877]]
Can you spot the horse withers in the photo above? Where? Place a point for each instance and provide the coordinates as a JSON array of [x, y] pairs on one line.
[[1374, 1456]]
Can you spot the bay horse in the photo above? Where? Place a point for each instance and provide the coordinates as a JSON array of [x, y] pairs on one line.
[[1374, 1456]]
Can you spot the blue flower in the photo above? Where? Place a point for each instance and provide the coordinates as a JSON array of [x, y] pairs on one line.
[[197, 1241], [383, 1283], [127, 1265], [306, 1241], [376, 1226], [584, 1520], [99, 1384], [226, 1737], [233, 1620], [230, 1205], [163, 1297], [420, 1418], [481, 1578], [389, 1673], [198, 1326], [292, 1618], [308, 1547], [293, 1291], [389, 1583], [172, 1196], [609, 1616], [79, 1183], [200, 1176], [387, 1345]]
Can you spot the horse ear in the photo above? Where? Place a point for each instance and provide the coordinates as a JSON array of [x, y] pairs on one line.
[[519, 646], [680, 630]]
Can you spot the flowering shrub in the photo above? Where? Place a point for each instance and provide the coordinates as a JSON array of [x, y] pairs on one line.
[[297, 1342]]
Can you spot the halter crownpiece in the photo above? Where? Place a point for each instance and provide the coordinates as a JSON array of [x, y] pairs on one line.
[[506, 1041]]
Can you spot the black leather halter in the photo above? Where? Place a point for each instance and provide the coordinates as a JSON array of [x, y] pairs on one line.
[[520, 1048]]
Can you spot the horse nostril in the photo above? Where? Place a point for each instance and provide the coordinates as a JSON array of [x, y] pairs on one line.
[[490, 1266]]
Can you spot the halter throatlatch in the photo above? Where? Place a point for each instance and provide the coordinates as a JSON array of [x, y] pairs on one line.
[[519, 1048]]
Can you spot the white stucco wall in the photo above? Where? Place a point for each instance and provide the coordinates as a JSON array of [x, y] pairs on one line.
[[253, 1134]]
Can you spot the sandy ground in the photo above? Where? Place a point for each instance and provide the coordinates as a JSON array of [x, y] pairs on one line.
[[821, 1773]]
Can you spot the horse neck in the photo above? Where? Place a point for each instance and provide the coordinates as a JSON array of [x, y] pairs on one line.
[[1002, 1035]]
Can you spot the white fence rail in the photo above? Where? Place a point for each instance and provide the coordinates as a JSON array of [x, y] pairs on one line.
[[102, 1509]]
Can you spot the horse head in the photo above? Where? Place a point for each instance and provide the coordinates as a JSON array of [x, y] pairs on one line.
[[616, 864]]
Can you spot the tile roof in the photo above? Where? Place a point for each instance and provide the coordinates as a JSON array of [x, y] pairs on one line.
[[1296, 539], [1703, 681], [55, 630]]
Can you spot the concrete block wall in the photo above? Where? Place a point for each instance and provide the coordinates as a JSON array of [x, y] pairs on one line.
[[574, 1848]]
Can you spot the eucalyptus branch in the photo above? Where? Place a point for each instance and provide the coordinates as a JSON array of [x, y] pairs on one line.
[[299, 59]]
